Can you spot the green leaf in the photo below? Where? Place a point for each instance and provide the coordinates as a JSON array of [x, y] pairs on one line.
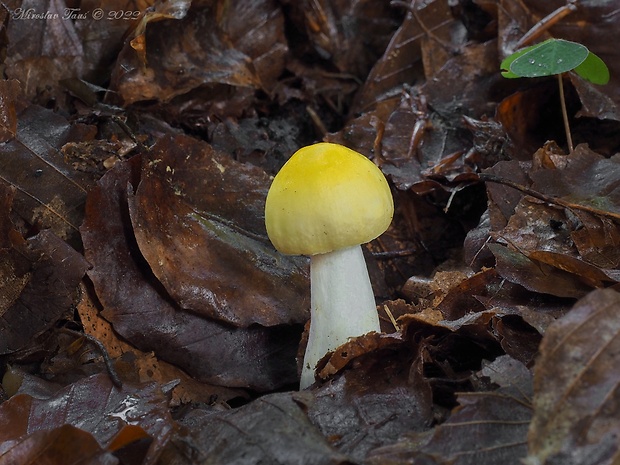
[[505, 65], [554, 56], [593, 69]]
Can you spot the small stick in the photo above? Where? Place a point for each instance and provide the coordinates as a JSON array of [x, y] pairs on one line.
[[392, 319], [102, 350], [488, 177], [544, 24]]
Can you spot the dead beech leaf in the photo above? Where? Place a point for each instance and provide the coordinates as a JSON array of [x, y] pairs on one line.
[[355, 347], [272, 429], [198, 219], [62, 445], [536, 276], [49, 192], [402, 59], [590, 274], [42, 53], [139, 309], [487, 428], [587, 179], [334, 27], [133, 364], [382, 395], [576, 397], [536, 226], [38, 283], [598, 242], [224, 43], [96, 406]]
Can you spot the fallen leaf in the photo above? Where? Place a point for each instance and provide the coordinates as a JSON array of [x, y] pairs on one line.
[[381, 396], [576, 395], [141, 312], [50, 193], [272, 429], [217, 44], [59, 446], [9, 91], [198, 219], [486, 427], [93, 405], [135, 365], [536, 276], [38, 282], [334, 27]]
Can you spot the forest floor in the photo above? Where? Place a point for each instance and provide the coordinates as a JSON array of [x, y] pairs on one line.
[[147, 319]]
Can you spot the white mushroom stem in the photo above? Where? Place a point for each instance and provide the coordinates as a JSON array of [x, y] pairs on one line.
[[342, 305]]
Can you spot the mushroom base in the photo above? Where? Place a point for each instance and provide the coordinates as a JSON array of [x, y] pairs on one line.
[[342, 305]]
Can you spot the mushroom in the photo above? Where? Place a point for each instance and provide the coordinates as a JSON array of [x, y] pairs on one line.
[[325, 202]]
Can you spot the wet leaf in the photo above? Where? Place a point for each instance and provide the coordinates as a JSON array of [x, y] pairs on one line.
[[486, 427], [249, 44], [140, 367], [93, 405], [587, 179], [50, 193], [401, 61], [62, 445], [380, 397], [536, 276], [273, 429], [38, 283], [333, 29], [140, 311], [553, 56], [198, 219], [575, 386], [43, 52]]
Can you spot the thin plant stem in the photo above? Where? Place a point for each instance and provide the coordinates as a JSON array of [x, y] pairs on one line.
[[569, 138]]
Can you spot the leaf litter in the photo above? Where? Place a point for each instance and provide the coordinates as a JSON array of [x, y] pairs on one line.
[[146, 317]]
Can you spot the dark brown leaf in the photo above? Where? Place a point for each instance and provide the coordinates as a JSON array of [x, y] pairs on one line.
[[38, 284], [536, 276], [93, 405], [272, 429], [70, 41], [401, 61], [62, 445], [576, 397], [334, 28], [50, 193], [377, 398], [198, 220], [138, 308], [9, 91], [598, 242], [486, 428], [238, 45], [587, 179]]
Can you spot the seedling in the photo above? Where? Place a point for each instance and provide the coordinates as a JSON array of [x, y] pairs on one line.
[[556, 57]]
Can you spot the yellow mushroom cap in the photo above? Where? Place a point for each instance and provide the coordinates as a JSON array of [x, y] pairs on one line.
[[327, 197]]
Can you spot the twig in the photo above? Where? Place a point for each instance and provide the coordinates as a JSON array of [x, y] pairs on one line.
[[487, 177], [102, 350], [544, 24]]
